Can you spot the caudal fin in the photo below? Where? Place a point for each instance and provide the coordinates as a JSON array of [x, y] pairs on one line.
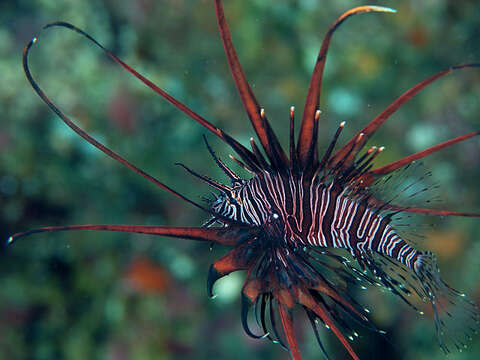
[[456, 317]]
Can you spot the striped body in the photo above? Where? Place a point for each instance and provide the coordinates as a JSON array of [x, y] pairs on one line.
[[316, 215]]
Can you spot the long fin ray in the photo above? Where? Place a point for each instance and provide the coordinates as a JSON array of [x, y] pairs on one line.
[[260, 123], [89, 138], [371, 175], [246, 155], [225, 236], [307, 139], [378, 121]]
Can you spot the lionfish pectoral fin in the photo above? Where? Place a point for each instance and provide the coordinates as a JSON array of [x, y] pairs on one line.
[[374, 174], [456, 317], [427, 211], [319, 309], [324, 288], [395, 276], [260, 123], [378, 121], [313, 321], [213, 276], [285, 296], [287, 324], [252, 289], [245, 154], [234, 260], [307, 138], [84, 134], [217, 235]]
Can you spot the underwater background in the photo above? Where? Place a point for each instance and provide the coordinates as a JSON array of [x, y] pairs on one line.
[[95, 295]]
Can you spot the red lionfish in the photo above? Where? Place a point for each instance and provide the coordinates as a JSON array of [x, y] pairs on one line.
[[284, 222]]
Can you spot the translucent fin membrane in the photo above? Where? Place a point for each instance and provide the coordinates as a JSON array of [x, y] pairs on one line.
[[456, 318], [409, 186]]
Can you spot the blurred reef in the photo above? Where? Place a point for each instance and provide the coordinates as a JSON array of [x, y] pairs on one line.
[[87, 295]]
